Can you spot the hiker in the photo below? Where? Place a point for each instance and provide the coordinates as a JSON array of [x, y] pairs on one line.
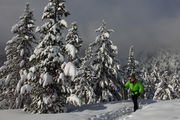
[[136, 88]]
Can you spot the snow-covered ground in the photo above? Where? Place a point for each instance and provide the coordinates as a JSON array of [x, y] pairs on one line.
[[165, 110], [107, 111]]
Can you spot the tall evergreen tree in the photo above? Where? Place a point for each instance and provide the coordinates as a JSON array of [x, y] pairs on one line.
[[102, 54], [83, 82], [132, 64], [18, 50], [48, 57], [72, 47]]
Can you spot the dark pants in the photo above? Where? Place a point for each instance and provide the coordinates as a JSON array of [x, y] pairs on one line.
[[135, 101]]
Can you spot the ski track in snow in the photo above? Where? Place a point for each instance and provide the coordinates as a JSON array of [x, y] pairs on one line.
[[112, 115], [121, 114]]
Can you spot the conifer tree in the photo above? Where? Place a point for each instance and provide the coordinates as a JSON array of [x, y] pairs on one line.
[[83, 85], [102, 54], [72, 47], [18, 50], [83, 82], [73, 61], [131, 65], [48, 57]]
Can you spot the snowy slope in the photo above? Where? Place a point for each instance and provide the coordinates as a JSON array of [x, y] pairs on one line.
[[108, 111], [165, 110]]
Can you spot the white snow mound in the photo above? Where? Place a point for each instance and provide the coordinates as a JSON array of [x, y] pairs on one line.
[[70, 70], [73, 99], [47, 79], [26, 89], [71, 50]]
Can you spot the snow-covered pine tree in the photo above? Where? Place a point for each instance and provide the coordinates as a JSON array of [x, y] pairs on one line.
[[18, 50], [102, 54], [149, 74], [26, 48], [164, 89], [132, 65], [83, 85], [148, 83], [48, 91], [83, 82], [72, 47], [175, 83]]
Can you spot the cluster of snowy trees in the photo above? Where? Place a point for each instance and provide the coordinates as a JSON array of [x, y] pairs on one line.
[[45, 74], [160, 75]]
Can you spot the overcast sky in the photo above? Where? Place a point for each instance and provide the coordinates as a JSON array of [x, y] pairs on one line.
[[147, 24]]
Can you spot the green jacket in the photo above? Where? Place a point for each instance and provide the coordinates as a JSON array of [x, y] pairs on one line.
[[135, 88]]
